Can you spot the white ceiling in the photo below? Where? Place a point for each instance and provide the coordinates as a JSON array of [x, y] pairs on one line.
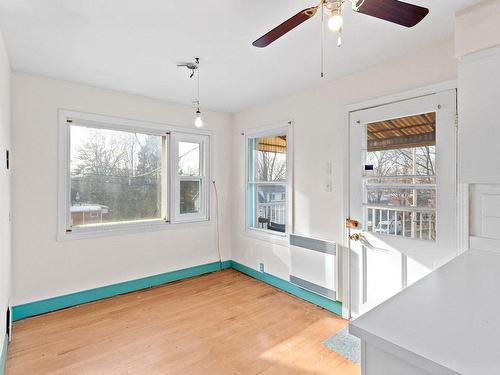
[[133, 46]]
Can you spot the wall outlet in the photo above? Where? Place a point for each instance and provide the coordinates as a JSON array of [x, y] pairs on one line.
[[261, 267]]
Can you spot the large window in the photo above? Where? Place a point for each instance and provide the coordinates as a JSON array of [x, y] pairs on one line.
[[268, 181], [117, 173]]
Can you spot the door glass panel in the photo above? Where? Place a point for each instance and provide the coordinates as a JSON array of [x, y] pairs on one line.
[[399, 179]]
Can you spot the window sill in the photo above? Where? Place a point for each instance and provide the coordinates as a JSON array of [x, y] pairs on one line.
[[128, 228], [281, 239]]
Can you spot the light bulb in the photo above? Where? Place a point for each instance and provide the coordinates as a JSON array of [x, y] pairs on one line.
[[198, 122], [335, 22]]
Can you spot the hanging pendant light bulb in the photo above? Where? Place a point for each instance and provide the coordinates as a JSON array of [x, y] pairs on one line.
[[336, 22], [198, 121]]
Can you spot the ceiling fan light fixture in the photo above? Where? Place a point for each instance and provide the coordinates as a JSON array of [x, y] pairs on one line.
[[336, 22], [356, 4]]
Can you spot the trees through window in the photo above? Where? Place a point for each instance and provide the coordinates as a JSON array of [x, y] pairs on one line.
[[121, 174], [267, 172]]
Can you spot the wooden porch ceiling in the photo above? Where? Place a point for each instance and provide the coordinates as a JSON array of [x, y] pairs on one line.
[[404, 132], [273, 144]]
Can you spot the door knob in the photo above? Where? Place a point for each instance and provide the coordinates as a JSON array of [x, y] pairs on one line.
[[356, 237]]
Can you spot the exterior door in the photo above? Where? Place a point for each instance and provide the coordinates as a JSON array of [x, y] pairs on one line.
[[402, 195]]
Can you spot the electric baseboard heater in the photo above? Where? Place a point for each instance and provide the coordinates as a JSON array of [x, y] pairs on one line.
[[314, 265]]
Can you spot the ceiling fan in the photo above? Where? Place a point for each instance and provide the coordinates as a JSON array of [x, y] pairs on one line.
[[393, 11]]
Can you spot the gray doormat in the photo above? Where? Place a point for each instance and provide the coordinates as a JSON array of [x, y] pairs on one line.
[[348, 346]]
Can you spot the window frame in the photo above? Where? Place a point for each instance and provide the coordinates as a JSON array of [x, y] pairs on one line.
[[203, 177], [66, 118], [285, 128]]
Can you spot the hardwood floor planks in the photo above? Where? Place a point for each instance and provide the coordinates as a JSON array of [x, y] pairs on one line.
[[221, 323]]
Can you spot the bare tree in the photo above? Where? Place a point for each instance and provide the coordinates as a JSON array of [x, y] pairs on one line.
[[271, 166], [118, 170]]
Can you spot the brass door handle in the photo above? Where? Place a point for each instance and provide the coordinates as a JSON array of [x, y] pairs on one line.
[[356, 237]]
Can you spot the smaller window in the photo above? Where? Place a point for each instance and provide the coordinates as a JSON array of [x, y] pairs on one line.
[[190, 183], [268, 181]]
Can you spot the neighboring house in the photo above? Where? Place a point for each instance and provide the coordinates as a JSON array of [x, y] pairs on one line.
[[88, 214], [271, 194]]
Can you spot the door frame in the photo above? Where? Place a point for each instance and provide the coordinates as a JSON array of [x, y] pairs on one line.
[[368, 104]]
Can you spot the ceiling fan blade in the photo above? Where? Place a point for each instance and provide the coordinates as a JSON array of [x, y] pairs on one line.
[[395, 11], [285, 27]]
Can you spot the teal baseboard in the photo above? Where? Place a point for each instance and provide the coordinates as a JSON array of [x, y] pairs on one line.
[[3, 354], [333, 306], [56, 303]]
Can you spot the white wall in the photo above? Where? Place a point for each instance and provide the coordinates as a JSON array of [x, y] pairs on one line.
[[320, 123], [5, 249], [477, 28], [43, 267], [477, 45]]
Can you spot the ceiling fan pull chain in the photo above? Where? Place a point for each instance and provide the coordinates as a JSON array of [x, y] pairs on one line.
[[322, 40], [339, 38]]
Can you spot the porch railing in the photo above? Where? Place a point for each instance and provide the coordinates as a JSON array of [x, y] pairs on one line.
[[272, 212], [409, 222]]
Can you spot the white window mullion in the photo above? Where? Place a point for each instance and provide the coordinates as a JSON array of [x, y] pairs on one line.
[[165, 179]]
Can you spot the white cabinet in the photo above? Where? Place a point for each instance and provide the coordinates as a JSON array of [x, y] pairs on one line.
[[446, 323], [479, 118]]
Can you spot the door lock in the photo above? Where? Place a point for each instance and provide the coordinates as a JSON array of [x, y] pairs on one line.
[[351, 223]]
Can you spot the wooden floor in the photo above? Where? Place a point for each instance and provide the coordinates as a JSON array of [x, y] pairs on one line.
[[221, 323]]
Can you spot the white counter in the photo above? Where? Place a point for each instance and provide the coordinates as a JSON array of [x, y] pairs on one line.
[[447, 323]]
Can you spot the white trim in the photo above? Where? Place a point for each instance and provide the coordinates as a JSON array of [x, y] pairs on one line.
[[405, 95], [346, 256], [266, 131], [128, 228], [463, 217], [478, 55], [267, 236], [122, 124], [421, 92]]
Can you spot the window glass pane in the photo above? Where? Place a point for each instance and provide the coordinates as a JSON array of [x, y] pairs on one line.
[[115, 176], [401, 197], [268, 207], [400, 177], [190, 196], [268, 158], [399, 161], [189, 159]]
